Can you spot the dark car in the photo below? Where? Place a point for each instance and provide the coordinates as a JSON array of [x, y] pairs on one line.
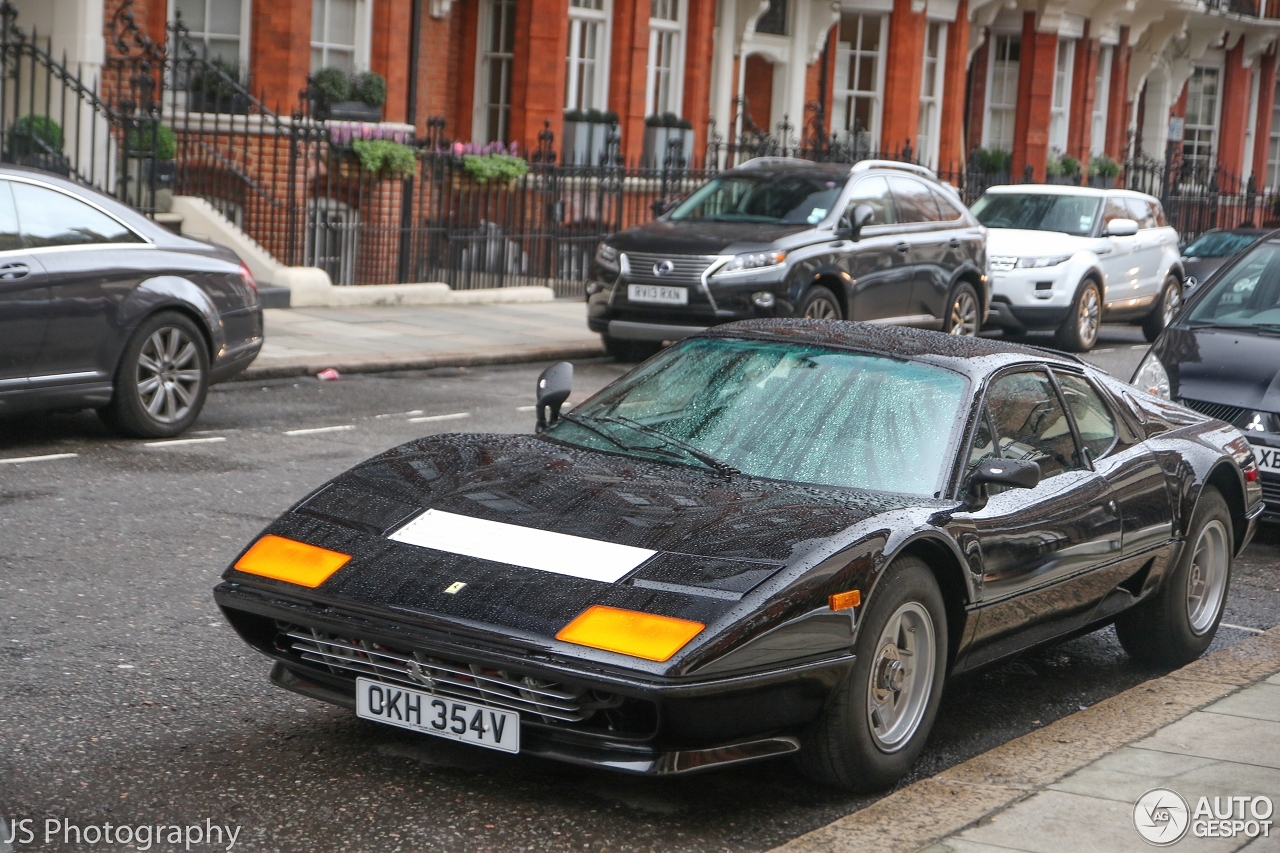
[[777, 536], [780, 237], [1208, 252], [102, 308], [1222, 356]]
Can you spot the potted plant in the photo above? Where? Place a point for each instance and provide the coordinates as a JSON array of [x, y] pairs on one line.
[[336, 95], [586, 136], [1103, 171], [214, 86], [150, 148], [993, 164], [1062, 169], [660, 132], [384, 158], [495, 164], [36, 141]]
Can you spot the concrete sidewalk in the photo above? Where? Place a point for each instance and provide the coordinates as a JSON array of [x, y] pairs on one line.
[[303, 341], [1210, 729]]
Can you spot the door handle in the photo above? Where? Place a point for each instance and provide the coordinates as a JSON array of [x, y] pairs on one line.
[[8, 272], [953, 243], [903, 248]]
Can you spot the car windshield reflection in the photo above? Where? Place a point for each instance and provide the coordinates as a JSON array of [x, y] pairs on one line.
[[1068, 214], [1247, 296], [785, 199]]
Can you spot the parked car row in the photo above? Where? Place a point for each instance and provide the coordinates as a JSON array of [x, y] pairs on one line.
[[886, 242]]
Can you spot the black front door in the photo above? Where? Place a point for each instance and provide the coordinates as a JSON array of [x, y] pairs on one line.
[[879, 263]]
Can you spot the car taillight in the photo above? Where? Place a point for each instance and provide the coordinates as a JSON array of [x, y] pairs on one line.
[[247, 277]]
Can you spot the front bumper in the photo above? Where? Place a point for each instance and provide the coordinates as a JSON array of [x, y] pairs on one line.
[[666, 725], [1004, 315]]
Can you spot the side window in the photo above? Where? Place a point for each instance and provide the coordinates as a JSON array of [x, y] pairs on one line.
[[1114, 209], [51, 218], [9, 236], [914, 199], [1161, 220], [949, 211], [1031, 423], [983, 446], [1094, 420], [1140, 211], [875, 192]]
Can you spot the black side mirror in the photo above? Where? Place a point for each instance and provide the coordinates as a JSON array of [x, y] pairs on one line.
[[554, 385], [1011, 473], [862, 216]]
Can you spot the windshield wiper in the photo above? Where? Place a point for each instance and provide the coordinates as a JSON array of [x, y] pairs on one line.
[[578, 420], [702, 456], [1268, 328]]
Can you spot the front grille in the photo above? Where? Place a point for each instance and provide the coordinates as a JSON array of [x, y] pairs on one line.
[[554, 702], [1271, 493], [1221, 411], [686, 269]]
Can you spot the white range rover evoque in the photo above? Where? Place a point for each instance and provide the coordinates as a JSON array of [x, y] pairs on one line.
[[1068, 258]]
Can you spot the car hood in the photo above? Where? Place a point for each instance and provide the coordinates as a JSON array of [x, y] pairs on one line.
[[1222, 366], [1018, 242], [704, 238], [714, 539]]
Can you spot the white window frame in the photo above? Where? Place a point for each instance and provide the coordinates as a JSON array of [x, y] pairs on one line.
[[675, 30], [1273, 149], [580, 18], [1101, 102], [360, 46], [480, 103], [1064, 67], [929, 128], [846, 54], [992, 107], [1210, 129], [201, 35]]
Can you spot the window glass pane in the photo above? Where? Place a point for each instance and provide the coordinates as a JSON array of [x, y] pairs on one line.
[[875, 192], [9, 238], [1068, 214], [1247, 295], [224, 17], [949, 211], [192, 14], [1093, 419], [914, 200], [1141, 212], [51, 218], [983, 447], [342, 22], [1031, 423]]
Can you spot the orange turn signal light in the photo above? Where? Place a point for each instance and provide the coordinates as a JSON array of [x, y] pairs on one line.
[[292, 562], [628, 632], [845, 600]]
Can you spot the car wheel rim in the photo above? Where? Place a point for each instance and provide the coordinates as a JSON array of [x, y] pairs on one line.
[[901, 677], [1090, 314], [1207, 578], [822, 309], [169, 375], [964, 314], [1172, 302]]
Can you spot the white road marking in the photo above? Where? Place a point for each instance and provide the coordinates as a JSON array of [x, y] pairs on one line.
[[1242, 628], [173, 442], [15, 460], [453, 417], [525, 408], [397, 414], [315, 430]]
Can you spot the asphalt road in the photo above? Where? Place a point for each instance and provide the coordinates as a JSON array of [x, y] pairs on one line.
[[124, 697]]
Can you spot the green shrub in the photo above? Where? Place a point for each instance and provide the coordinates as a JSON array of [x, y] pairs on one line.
[[34, 134], [1103, 167], [993, 160], [370, 88], [1062, 166], [218, 80], [331, 85], [502, 168], [384, 157], [149, 136]]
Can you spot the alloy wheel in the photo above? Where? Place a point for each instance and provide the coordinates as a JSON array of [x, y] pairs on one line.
[[822, 308], [901, 677], [964, 314], [1207, 577], [168, 374], [1172, 302], [1089, 317]]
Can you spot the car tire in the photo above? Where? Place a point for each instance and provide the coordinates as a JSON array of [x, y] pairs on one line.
[[964, 312], [854, 747], [1079, 332], [161, 380], [1167, 308], [630, 351], [1177, 624], [819, 303]]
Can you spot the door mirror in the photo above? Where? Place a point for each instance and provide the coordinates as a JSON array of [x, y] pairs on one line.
[[554, 385], [1011, 473], [1122, 228], [859, 217]]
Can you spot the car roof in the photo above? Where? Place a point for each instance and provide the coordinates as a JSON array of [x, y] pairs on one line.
[[973, 356], [789, 165], [1066, 189]]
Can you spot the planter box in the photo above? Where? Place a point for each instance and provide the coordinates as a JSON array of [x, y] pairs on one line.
[[656, 142], [1063, 180], [585, 143], [202, 102], [1103, 182], [149, 183], [354, 111], [55, 163]]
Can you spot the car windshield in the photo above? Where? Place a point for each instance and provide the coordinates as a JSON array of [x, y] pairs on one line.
[[1247, 295], [781, 411], [796, 199], [1069, 214], [1219, 244]]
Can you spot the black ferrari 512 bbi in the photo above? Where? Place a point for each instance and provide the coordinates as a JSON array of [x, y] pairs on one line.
[[777, 536]]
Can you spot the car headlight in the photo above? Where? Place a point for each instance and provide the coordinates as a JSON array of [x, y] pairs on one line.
[[753, 261], [1152, 377], [1042, 261], [607, 256]]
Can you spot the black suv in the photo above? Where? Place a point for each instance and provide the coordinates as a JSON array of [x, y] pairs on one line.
[[781, 237]]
